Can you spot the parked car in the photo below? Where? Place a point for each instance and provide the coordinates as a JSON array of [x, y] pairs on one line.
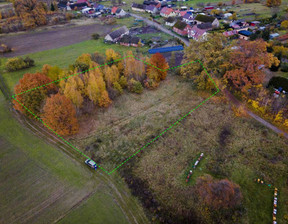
[[91, 163]]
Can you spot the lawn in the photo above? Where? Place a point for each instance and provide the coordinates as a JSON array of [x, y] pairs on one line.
[[40, 183], [61, 57]]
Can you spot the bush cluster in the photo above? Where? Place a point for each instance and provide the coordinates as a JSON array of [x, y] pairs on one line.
[[15, 64]]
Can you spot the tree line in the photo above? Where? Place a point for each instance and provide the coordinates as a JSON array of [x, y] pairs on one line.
[[60, 96]]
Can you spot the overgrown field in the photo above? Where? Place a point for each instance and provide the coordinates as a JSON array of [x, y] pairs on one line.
[[112, 135], [239, 149]]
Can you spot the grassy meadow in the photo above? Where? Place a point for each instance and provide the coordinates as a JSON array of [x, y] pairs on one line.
[[61, 57]]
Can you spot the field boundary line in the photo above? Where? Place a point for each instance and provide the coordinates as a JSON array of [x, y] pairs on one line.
[[143, 147]]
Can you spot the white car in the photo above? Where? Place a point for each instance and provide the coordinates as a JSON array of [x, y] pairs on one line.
[[91, 163]]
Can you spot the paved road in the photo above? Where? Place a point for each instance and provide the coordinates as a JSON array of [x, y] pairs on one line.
[[159, 27]]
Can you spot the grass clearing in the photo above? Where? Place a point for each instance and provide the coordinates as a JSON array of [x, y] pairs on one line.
[[61, 57], [39, 183]]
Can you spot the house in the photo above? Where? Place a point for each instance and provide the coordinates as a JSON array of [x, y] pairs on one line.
[[230, 33], [227, 15], [181, 28], [188, 18], [98, 7], [199, 32], [182, 13], [283, 39], [170, 21], [138, 7], [113, 10], [255, 23], [151, 9], [120, 12], [274, 35], [77, 6], [244, 34], [62, 5], [167, 12], [208, 8], [128, 40], [116, 34], [199, 19]]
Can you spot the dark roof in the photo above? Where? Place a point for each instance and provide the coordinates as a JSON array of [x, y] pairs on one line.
[[138, 6], [180, 25], [165, 49], [78, 5], [129, 39], [245, 33], [150, 7], [187, 16], [117, 33], [204, 18], [62, 4], [170, 19], [118, 10], [205, 26]]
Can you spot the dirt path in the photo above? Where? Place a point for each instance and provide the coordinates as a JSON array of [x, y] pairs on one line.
[[31, 42], [251, 114]]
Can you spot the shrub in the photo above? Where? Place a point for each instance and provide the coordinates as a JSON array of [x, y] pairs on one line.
[[117, 87], [123, 82], [135, 86], [95, 36], [15, 64], [278, 81], [284, 67]]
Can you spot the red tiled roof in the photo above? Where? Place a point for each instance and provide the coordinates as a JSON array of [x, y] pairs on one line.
[[283, 37], [166, 11], [114, 9], [182, 13]]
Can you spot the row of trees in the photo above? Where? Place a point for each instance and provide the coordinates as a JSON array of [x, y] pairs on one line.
[[96, 86], [241, 66]]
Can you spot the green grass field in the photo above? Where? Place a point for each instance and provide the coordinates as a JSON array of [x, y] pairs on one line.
[[61, 57], [40, 183]]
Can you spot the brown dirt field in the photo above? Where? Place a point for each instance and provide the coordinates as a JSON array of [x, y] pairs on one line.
[[31, 42]]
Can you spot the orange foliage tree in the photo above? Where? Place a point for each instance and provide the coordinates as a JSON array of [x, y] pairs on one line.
[[60, 115], [32, 12], [218, 194], [157, 70], [34, 99], [246, 62]]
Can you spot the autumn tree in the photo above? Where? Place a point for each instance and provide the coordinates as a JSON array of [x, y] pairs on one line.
[[113, 58], [73, 89], [96, 88], [32, 12], [53, 72], [82, 63], [134, 68], [284, 24], [157, 67], [273, 3], [60, 115], [33, 99], [246, 62], [212, 54], [218, 194]]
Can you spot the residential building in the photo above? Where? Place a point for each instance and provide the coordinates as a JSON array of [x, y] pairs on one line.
[[117, 34], [120, 12], [167, 12], [181, 28], [188, 18], [138, 7], [113, 10], [199, 19], [199, 32], [244, 34], [170, 21], [151, 9], [283, 39], [128, 40]]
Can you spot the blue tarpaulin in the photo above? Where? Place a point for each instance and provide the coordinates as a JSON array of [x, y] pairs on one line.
[[166, 49]]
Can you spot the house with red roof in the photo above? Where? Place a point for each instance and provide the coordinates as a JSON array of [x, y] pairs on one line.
[[113, 10], [199, 32], [181, 28], [167, 12]]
